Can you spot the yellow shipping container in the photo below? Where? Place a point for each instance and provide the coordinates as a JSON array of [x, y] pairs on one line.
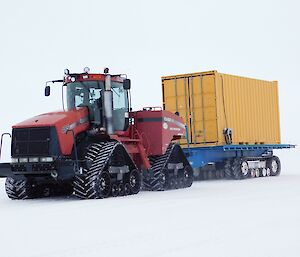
[[223, 109]]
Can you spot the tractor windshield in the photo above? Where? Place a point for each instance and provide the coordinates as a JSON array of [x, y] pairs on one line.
[[89, 94], [85, 93]]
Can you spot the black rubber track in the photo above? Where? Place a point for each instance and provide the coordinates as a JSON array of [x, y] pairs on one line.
[[18, 188], [236, 168], [228, 169], [98, 157], [160, 178]]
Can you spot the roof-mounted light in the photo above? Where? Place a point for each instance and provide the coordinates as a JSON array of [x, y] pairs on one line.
[[67, 72], [86, 69]]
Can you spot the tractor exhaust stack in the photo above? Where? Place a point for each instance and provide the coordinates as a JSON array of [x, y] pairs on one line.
[[108, 115]]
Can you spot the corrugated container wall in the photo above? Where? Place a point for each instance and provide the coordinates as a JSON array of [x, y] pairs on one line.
[[211, 102]]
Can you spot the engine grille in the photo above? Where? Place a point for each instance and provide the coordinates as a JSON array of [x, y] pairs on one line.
[[30, 141]]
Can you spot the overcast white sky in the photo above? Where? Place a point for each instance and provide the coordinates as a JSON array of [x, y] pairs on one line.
[[146, 40]]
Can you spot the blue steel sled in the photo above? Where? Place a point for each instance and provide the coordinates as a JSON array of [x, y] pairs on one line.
[[201, 156]]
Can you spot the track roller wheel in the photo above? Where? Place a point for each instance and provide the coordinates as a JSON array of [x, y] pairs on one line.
[[114, 190], [187, 176], [257, 173], [197, 174], [268, 172], [180, 183], [46, 192], [103, 184], [264, 172], [173, 183], [162, 182], [135, 181], [210, 175], [217, 174], [177, 184], [274, 165], [164, 179], [121, 189], [252, 173], [127, 190]]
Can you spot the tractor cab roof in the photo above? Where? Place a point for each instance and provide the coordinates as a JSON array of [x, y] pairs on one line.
[[86, 76]]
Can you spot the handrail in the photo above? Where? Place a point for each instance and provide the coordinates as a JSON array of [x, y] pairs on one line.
[[3, 134]]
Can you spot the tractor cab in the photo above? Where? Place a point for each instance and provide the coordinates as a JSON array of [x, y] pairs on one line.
[[105, 96]]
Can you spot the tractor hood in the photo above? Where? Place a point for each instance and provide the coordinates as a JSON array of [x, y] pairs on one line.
[[76, 120], [60, 118]]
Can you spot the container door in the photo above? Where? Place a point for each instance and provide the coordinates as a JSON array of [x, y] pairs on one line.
[[193, 97], [176, 100], [203, 112]]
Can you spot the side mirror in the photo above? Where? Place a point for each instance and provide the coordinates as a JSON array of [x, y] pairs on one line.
[[126, 84], [47, 90]]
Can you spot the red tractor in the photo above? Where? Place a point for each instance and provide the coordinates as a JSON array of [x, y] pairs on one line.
[[97, 147]]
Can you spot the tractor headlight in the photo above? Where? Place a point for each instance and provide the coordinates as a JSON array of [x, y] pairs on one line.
[[67, 72], [23, 160], [86, 69], [34, 159], [46, 159], [14, 160]]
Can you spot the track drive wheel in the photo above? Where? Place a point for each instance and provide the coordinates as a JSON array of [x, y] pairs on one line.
[[240, 169], [274, 165]]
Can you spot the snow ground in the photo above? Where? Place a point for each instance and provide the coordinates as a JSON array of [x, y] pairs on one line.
[[254, 217]]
